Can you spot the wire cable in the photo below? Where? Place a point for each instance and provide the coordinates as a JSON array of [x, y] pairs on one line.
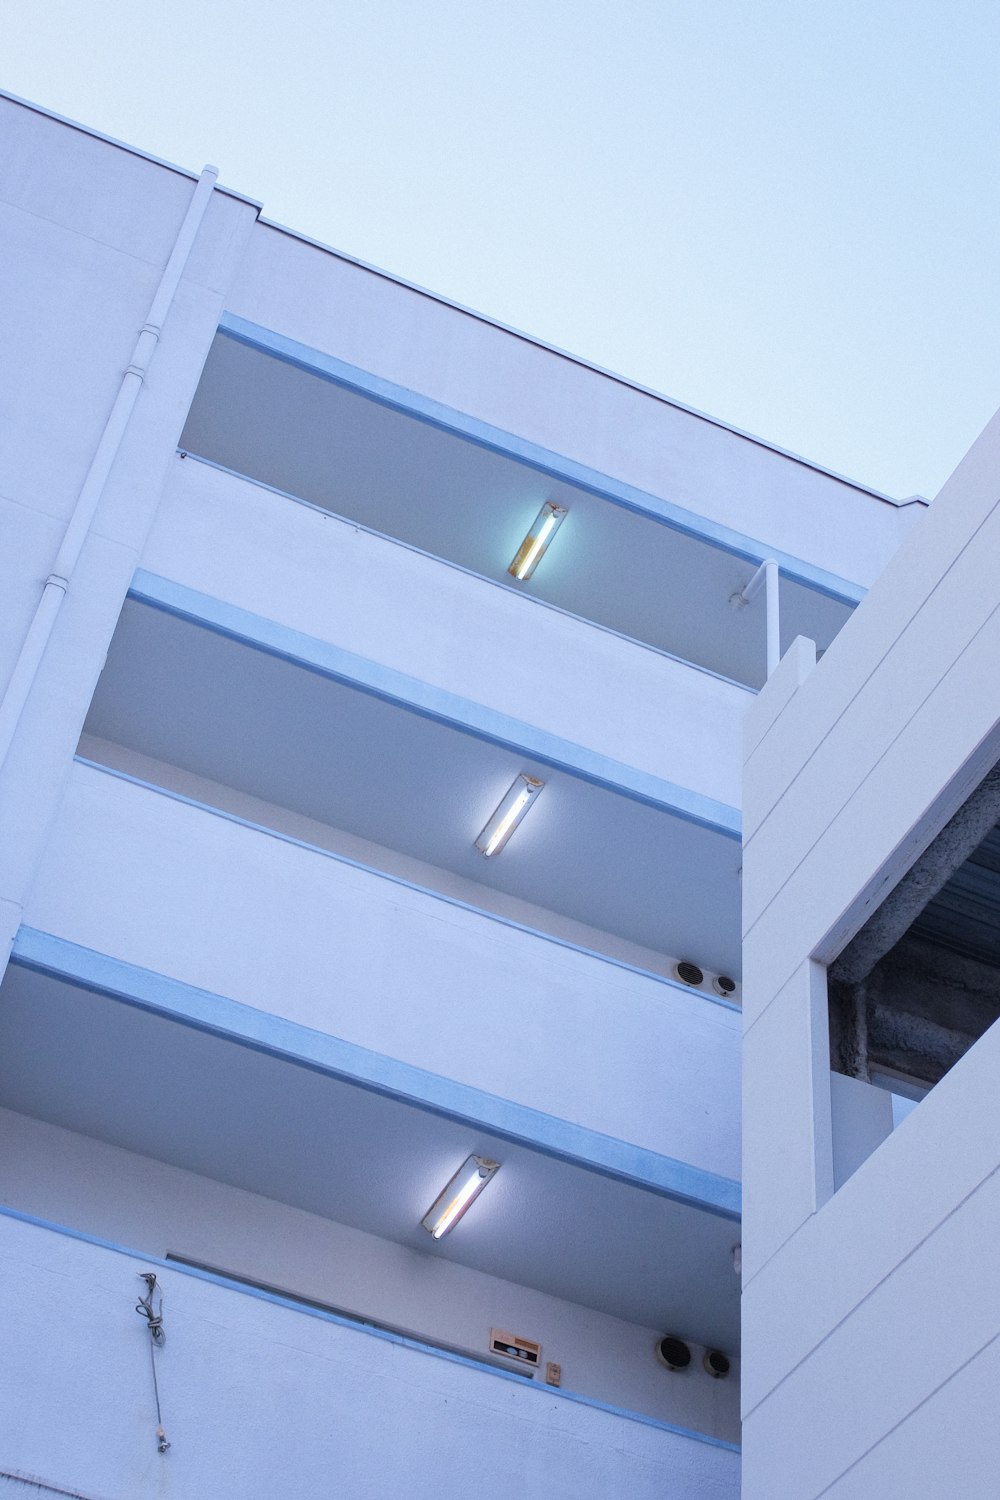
[[154, 1321]]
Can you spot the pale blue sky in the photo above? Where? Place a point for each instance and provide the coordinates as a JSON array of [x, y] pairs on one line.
[[784, 213]]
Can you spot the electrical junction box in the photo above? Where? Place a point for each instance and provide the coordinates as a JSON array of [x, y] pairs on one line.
[[511, 1347]]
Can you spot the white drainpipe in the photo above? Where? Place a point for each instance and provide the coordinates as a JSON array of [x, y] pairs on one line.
[[37, 638]]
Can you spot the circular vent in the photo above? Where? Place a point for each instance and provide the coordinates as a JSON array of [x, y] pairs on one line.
[[689, 973], [724, 985], [716, 1364], [673, 1353]]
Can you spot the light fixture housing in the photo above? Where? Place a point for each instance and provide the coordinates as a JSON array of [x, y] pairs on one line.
[[463, 1189], [543, 529], [508, 814]]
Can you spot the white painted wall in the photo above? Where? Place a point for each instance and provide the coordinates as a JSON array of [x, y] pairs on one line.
[[297, 934], [89, 227], [133, 1200], [238, 541], [282, 820], [260, 1400], [87, 230], [370, 321], [882, 1315], [871, 1320]]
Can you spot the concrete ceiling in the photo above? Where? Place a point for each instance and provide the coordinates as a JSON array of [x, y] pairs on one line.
[[99, 1066], [302, 434], [964, 915], [233, 714]]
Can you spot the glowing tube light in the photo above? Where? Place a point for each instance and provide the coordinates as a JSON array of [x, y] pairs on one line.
[[507, 816], [463, 1189], [543, 529]]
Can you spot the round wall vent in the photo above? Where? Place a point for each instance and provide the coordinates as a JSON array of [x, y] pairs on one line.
[[673, 1353], [689, 973], [716, 1364], [723, 985]]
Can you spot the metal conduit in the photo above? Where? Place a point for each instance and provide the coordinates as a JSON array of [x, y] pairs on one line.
[[39, 631], [768, 575]]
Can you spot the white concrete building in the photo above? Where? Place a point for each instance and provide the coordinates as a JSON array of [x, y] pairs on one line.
[[266, 676], [872, 951]]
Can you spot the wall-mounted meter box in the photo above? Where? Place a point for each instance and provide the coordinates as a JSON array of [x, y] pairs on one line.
[[509, 1345]]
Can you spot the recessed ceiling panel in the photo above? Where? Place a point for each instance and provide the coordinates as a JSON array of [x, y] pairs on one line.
[[106, 1069], [231, 713], [294, 430]]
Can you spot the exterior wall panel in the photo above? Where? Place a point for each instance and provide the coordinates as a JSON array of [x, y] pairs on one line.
[[237, 541], [468, 364], [314, 940], [260, 1400], [118, 1195], [866, 1312], [88, 229]]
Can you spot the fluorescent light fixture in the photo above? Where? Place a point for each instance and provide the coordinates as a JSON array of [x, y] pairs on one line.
[[463, 1189], [543, 529], [510, 812]]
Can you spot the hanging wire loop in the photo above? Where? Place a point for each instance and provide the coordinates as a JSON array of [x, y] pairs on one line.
[[154, 1321]]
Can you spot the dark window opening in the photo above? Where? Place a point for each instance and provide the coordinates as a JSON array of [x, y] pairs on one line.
[[920, 983]]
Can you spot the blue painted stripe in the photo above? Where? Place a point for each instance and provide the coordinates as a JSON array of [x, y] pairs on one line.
[[509, 445], [406, 1341], [277, 1036], [532, 601], [691, 995], [431, 702]]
